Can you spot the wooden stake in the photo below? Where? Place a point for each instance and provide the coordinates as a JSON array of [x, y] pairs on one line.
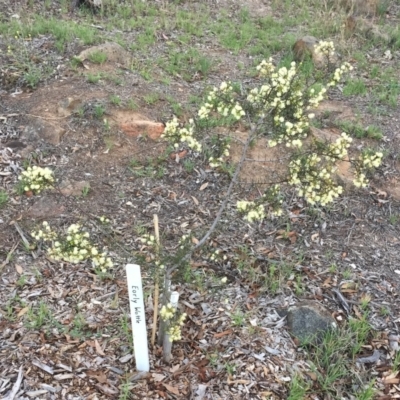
[[166, 300], [156, 283], [167, 344]]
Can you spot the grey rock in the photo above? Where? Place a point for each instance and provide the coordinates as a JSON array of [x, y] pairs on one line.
[[42, 130], [73, 188], [115, 53], [309, 320], [45, 207]]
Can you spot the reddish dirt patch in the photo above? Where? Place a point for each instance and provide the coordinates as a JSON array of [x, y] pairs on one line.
[[263, 164], [136, 125]]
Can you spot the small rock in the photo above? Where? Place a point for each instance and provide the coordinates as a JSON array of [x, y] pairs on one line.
[[37, 130], [114, 52], [45, 207], [304, 47], [73, 188], [309, 319], [68, 106]]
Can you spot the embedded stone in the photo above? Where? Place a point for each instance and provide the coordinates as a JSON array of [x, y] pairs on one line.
[[73, 188], [309, 320]]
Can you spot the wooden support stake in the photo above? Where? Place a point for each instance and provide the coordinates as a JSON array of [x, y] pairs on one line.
[[167, 344], [156, 283], [166, 299]]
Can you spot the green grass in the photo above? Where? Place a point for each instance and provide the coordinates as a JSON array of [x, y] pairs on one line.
[[38, 316], [388, 91], [78, 327], [151, 168], [189, 64], [358, 131], [298, 388], [85, 190], [22, 280], [189, 165], [125, 392], [32, 76], [99, 111], [394, 219], [396, 362], [94, 78], [355, 87], [13, 304], [3, 198], [238, 318], [97, 57], [331, 362], [64, 31], [116, 100], [151, 98], [132, 105]]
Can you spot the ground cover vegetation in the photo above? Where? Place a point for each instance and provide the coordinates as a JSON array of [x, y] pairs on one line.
[[274, 179]]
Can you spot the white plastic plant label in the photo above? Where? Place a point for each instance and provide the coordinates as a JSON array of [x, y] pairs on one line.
[[138, 320]]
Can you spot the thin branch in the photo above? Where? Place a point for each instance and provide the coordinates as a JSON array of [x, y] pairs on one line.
[[223, 204], [47, 118], [24, 239], [7, 260]]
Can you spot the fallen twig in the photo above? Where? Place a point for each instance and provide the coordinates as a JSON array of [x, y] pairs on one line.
[[7, 260], [370, 359], [16, 386], [24, 239]]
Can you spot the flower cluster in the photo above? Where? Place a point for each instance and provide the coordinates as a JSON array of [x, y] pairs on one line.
[[371, 159], [36, 179], [159, 265], [360, 180], [315, 97], [168, 314], [313, 174], [265, 68], [181, 135], [338, 150], [313, 179], [75, 247], [339, 72], [104, 220], [367, 160], [216, 254], [148, 239], [325, 48], [253, 211], [281, 95], [184, 241], [220, 150], [45, 234], [222, 100], [275, 200]]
